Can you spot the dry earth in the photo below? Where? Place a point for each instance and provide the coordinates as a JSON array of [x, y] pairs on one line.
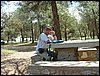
[[17, 63]]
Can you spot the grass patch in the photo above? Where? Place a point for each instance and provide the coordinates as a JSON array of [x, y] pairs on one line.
[[8, 51], [21, 44]]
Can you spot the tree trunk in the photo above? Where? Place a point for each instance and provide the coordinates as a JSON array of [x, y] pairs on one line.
[[56, 20], [38, 18], [26, 39], [35, 33], [8, 38], [96, 27], [65, 34], [80, 33], [90, 35], [32, 36], [22, 36], [85, 36], [39, 24], [93, 34], [32, 32]]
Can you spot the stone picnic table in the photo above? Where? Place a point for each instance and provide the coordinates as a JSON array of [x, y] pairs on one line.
[[68, 50]]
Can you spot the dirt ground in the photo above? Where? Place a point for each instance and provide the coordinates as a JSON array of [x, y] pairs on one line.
[[17, 63]]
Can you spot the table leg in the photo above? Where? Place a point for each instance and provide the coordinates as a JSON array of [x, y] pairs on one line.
[[97, 54], [67, 54]]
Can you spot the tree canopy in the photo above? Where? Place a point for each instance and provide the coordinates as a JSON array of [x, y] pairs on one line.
[[28, 19]]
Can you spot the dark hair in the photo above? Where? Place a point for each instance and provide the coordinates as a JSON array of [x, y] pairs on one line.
[[47, 27]]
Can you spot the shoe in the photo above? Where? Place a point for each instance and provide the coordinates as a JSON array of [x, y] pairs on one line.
[[49, 59], [44, 59]]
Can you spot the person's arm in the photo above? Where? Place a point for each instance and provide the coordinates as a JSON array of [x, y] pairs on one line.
[[45, 38], [55, 37], [51, 37]]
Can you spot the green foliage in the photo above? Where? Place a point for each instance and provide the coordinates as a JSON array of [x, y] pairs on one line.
[[19, 23], [90, 13], [67, 22]]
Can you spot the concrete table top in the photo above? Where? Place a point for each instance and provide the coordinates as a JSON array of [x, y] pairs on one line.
[[75, 43]]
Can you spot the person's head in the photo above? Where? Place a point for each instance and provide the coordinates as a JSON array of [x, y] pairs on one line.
[[47, 30]]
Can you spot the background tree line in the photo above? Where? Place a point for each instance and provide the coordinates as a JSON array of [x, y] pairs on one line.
[[27, 20]]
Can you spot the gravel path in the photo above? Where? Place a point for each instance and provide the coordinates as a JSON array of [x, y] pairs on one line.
[[22, 54], [19, 55]]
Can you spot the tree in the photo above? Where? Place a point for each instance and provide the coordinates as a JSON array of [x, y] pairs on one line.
[[67, 23], [39, 8], [90, 10], [56, 19], [23, 24]]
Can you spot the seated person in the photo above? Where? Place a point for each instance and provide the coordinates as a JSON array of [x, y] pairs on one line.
[[43, 40]]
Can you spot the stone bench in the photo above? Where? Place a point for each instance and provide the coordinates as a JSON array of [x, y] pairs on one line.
[[64, 68], [36, 58], [87, 54]]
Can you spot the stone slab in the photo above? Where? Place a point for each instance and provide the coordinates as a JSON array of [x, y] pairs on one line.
[[75, 43], [64, 68]]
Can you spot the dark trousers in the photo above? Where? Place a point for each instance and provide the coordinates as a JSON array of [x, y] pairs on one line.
[[51, 54]]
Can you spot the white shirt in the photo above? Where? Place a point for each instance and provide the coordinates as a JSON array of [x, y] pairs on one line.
[[43, 38]]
